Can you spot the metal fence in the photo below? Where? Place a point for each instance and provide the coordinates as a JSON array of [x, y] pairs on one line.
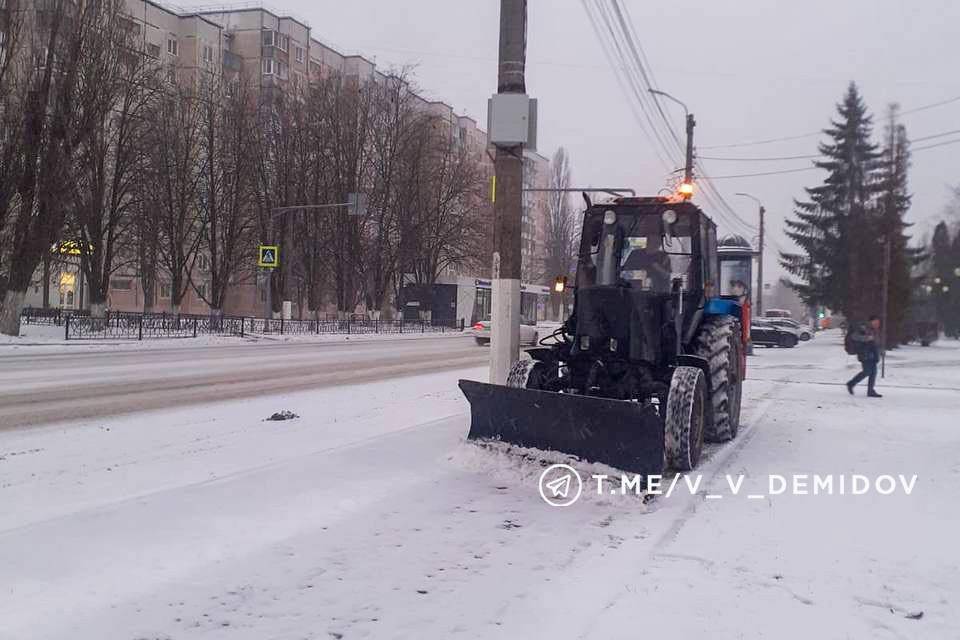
[[31, 315], [140, 326]]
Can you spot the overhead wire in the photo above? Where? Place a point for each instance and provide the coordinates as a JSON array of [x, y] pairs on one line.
[[811, 134], [638, 66], [623, 82]]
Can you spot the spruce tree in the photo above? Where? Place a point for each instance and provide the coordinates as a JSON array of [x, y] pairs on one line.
[[952, 320], [890, 223], [833, 227], [942, 265]]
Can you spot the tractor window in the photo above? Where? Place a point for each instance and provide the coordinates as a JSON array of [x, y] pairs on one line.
[[653, 263], [735, 277], [635, 251]]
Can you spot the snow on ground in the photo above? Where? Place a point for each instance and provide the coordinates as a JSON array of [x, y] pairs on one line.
[[369, 517]]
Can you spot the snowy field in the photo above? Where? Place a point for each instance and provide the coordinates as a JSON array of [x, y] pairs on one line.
[[370, 517]]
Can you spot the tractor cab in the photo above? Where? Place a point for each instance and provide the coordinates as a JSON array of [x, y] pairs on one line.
[[736, 276], [656, 258]]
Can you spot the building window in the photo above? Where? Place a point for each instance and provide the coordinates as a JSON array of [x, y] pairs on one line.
[[299, 54], [203, 262], [164, 289], [153, 50], [173, 47], [275, 39], [121, 284], [267, 66], [207, 53]]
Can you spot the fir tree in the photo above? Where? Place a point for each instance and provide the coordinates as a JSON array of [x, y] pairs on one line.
[[893, 202], [942, 278], [836, 255]]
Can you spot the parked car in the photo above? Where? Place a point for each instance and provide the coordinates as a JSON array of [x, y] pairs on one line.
[[804, 333], [764, 332], [776, 313], [528, 332]]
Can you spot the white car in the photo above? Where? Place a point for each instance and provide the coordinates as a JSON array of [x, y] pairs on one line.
[[528, 333], [803, 333]]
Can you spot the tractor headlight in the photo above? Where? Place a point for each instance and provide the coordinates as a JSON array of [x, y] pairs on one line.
[[669, 216], [610, 216]]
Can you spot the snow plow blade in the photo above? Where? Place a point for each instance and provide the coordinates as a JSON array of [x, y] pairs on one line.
[[625, 435]]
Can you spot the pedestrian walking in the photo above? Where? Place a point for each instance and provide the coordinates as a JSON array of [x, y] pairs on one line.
[[864, 341]]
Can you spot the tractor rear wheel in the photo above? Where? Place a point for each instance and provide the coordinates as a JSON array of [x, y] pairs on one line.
[[686, 418], [719, 343]]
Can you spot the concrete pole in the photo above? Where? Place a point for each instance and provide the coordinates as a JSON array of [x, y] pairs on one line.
[[688, 168], [883, 314], [508, 206], [760, 266]]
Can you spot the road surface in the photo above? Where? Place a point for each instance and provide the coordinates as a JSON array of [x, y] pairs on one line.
[[38, 388], [369, 517]]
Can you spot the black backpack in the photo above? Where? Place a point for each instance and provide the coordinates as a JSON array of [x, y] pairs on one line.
[[850, 344]]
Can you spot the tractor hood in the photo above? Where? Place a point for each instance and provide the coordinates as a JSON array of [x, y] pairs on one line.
[[628, 323]]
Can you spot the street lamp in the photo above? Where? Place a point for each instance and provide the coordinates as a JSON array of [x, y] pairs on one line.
[[760, 253], [686, 190]]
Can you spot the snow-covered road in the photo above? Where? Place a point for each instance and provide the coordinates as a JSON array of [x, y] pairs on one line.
[[368, 517], [39, 385]]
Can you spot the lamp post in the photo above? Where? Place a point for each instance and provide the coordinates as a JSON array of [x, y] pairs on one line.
[[691, 123], [762, 211]]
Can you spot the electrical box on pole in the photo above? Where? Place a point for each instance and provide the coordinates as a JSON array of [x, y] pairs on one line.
[[512, 120]]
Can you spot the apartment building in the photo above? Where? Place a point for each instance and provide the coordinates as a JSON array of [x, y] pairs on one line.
[[271, 50]]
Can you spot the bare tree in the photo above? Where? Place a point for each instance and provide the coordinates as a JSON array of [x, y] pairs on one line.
[[109, 166], [173, 173], [13, 69], [448, 216], [395, 168], [226, 191], [280, 179], [562, 229], [349, 105], [67, 94]]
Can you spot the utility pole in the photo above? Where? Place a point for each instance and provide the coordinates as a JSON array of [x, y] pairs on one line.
[[508, 196], [763, 212], [883, 313], [760, 266], [688, 169]]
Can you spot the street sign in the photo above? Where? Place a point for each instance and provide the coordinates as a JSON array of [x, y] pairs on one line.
[[269, 256]]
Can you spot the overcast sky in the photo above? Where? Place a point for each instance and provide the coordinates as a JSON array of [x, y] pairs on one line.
[[749, 70]]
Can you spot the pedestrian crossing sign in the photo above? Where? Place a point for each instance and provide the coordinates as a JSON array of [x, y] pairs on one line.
[[269, 256]]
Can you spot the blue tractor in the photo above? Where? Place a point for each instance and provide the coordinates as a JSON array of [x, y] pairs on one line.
[[650, 362]]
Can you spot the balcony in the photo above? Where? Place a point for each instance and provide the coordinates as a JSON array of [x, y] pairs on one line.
[[231, 61]]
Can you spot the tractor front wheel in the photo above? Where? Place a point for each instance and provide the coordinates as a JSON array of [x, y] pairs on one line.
[[686, 418], [527, 374]]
